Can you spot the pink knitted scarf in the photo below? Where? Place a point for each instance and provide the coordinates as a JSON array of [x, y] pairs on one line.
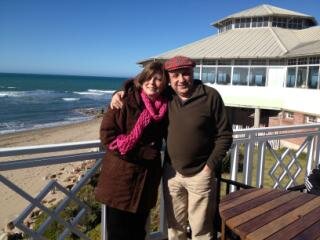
[[154, 111]]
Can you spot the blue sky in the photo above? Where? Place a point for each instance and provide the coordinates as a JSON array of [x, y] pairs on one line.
[[107, 38]]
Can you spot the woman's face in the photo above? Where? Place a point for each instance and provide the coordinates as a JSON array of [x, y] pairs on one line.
[[154, 85]]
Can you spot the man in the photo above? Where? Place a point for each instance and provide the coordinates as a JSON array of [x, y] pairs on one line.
[[199, 135]]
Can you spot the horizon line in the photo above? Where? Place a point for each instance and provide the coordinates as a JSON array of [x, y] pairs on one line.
[[61, 74]]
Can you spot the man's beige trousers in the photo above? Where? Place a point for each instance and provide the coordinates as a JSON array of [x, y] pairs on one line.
[[189, 198]]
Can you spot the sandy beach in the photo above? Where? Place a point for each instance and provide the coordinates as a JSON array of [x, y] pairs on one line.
[[32, 180]]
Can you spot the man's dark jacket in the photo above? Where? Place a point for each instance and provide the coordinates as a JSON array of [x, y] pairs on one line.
[[199, 131]]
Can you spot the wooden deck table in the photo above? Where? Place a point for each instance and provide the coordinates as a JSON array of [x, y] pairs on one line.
[[271, 214]]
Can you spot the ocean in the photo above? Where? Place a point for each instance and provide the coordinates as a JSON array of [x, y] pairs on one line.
[[30, 101]]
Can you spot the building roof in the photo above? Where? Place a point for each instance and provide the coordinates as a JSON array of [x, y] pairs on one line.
[[263, 10], [312, 48], [252, 43], [293, 38]]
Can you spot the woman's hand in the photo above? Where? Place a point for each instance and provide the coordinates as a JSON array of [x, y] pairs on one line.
[[148, 153]]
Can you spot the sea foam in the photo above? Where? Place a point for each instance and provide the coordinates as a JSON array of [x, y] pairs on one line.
[[95, 92], [70, 99]]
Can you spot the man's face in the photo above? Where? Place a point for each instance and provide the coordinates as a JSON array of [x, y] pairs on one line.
[[181, 81]]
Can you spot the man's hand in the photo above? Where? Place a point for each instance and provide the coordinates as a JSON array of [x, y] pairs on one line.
[[207, 169], [117, 100]]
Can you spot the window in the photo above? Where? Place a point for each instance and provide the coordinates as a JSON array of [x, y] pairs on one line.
[[257, 77], [302, 77], [223, 75], [197, 61], [292, 61], [299, 23], [311, 119], [242, 22], [291, 77], [260, 22], [208, 74], [196, 73], [276, 62], [295, 23], [224, 62], [308, 23], [289, 115], [237, 23], [241, 62], [265, 21], [247, 22], [314, 60], [279, 22], [222, 29], [209, 62], [302, 61], [313, 77], [257, 22], [254, 22], [228, 25], [240, 76], [259, 62]]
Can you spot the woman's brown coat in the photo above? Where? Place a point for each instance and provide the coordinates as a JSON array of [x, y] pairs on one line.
[[130, 182]]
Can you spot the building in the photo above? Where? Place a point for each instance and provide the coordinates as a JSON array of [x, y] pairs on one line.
[[265, 63]]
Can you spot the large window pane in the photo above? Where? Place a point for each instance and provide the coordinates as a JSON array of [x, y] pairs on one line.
[[208, 74], [242, 22], [291, 77], [265, 21], [257, 77], [240, 76], [260, 22], [237, 24], [223, 75], [196, 73], [313, 77], [302, 77], [248, 20]]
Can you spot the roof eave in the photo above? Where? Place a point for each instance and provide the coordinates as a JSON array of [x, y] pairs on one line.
[[150, 59], [218, 23], [294, 55]]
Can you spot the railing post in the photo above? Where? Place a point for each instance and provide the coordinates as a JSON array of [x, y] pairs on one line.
[[310, 155], [103, 222], [234, 164], [260, 163], [248, 157], [317, 149], [163, 217]]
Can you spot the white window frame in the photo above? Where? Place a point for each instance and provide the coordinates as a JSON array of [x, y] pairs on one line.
[[289, 115]]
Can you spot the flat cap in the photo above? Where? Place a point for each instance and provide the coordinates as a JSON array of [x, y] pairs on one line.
[[178, 62]]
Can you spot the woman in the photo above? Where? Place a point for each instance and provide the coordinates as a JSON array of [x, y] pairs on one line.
[[131, 170]]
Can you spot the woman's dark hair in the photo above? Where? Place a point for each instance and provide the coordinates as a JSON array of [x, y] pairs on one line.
[[149, 70]]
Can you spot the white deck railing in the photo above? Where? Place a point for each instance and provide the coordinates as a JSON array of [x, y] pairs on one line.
[[253, 143]]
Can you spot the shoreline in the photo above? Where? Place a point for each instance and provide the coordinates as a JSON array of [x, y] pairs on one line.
[[13, 139], [49, 125], [87, 113], [32, 180]]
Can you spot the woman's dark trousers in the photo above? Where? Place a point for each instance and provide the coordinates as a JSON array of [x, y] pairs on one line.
[[123, 225]]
